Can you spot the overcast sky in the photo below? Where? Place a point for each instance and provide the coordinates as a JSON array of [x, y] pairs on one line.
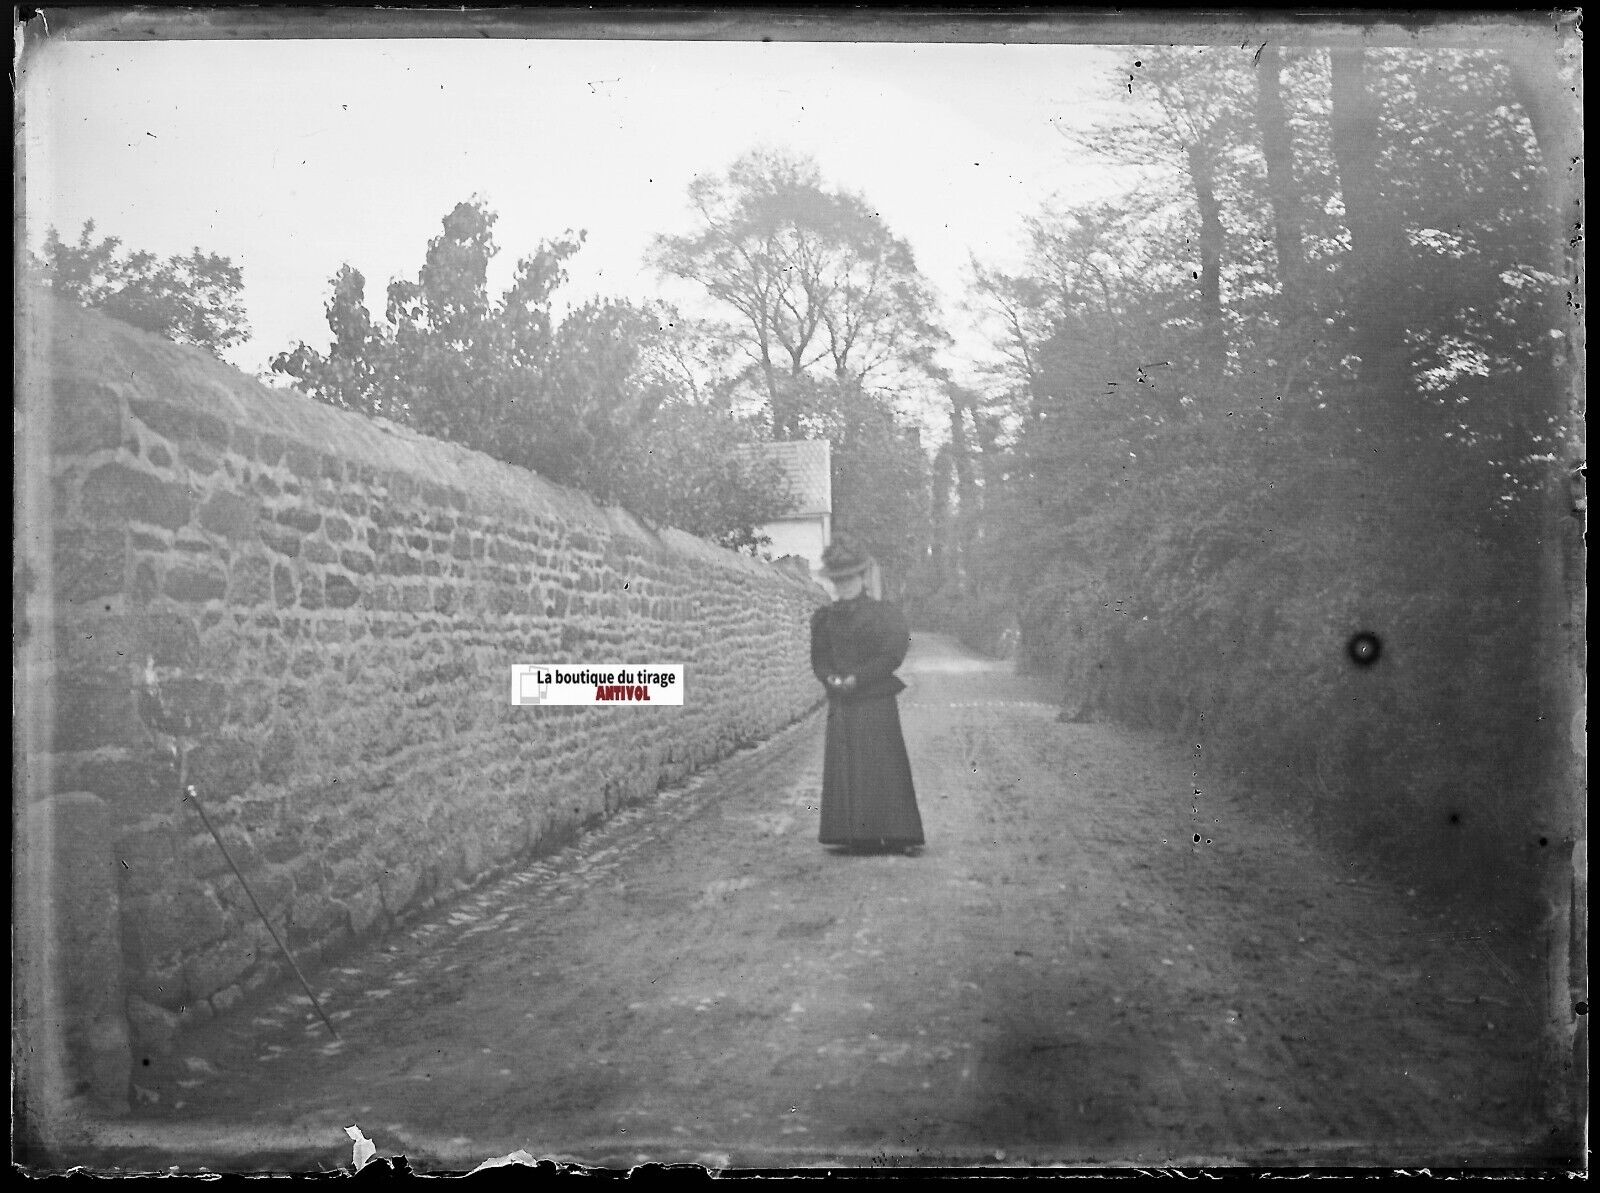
[[292, 157]]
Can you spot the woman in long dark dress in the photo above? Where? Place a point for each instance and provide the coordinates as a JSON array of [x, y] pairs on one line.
[[868, 801]]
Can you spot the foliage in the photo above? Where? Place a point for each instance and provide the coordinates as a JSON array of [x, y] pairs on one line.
[[578, 399], [698, 469], [192, 299], [879, 481], [1188, 527], [817, 283], [833, 327]]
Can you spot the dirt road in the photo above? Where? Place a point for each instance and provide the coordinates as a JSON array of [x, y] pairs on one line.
[[1089, 964]]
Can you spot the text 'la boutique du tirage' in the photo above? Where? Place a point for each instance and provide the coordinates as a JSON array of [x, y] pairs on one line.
[[535, 684]]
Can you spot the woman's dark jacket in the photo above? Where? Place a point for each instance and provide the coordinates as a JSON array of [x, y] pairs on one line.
[[864, 638]]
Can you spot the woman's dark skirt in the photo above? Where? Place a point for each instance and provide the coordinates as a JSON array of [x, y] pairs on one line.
[[868, 801]]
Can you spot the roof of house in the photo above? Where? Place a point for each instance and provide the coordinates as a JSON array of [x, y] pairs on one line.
[[806, 464]]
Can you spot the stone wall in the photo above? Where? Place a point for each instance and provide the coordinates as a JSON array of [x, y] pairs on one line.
[[346, 598]]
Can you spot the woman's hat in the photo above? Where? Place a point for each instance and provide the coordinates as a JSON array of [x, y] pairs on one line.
[[843, 559]]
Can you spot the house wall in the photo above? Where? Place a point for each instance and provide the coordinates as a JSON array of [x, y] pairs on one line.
[[795, 536]]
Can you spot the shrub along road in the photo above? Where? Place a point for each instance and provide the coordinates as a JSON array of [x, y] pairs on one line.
[[1065, 975]]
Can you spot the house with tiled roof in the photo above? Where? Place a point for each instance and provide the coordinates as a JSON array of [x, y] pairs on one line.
[[808, 527]]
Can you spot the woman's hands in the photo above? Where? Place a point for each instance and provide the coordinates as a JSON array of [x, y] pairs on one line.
[[841, 683]]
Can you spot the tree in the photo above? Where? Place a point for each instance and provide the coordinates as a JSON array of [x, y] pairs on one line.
[[697, 467], [450, 361], [1189, 103], [192, 299], [500, 376], [1180, 552], [1377, 243], [880, 475], [814, 276], [597, 399], [1277, 151]]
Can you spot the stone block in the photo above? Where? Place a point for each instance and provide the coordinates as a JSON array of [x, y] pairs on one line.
[[283, 590], [340, 593], [195, 583], [200, 459], [223, 767], [150, 857], [192, 542], [250, 582], [134, 780], [366, 910], [311, 592], [398, 886], [180, 423], [284, 843], [163, 926], [116, 493], [304, 520], [317, 551], [303, 461], [401, 487], [269, 448], [86, 416], [277, 755], [337, 529], [226, 999], [225, 963], [229, 515], [89, 564], [273, 887], [280, 539], [397, 563]]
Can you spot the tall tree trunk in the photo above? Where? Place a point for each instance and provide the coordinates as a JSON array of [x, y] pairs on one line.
[[769, 374], [1213, 338], [1377, 242], [1278, 149], [967, 512], [943, 537]]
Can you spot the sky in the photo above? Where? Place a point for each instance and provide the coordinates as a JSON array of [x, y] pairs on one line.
[[294, 157]]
